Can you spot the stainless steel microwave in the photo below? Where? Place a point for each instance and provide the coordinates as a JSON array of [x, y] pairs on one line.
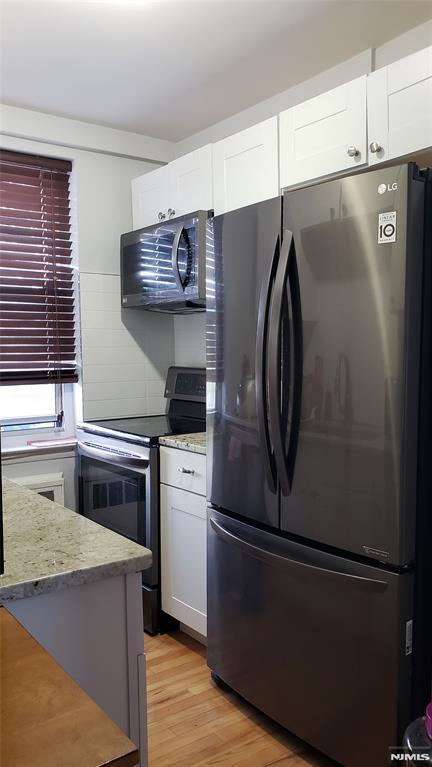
[[163, 266]]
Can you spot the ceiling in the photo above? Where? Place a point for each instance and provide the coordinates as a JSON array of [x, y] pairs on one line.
[[169, 69]]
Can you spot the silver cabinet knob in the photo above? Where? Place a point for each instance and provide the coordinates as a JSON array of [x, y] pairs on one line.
[[161, 216], [171, 212], [352, 151], [182, 470], [375, 147]]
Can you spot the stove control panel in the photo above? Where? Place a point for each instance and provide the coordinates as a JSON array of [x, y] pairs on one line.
[[186, 384]]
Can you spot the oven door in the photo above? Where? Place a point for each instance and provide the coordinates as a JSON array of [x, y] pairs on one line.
[[115, 491], [160, 265]]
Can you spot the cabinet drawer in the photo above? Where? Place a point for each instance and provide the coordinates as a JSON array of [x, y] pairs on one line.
[[180, 468]]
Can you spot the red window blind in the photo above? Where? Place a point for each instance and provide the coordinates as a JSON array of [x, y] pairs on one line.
[[37, 302]]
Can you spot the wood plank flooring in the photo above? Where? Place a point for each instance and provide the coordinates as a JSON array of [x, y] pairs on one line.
[[192, 723], [46, 719]]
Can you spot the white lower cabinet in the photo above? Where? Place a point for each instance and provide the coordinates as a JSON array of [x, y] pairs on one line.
[[184, 556]]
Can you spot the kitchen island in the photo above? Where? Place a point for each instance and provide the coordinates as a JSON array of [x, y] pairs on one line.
[[76, 587]]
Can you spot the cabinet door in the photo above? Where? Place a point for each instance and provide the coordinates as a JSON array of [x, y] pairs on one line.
[[245, 167], [324, 135], [150, 196], [191, 182], [184, 556], [400, 107]]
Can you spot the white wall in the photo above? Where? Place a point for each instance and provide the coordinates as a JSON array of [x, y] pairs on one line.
[[348, 70], [362, 64], [51, 129], [410, 42], [189, 335], [125, 353]]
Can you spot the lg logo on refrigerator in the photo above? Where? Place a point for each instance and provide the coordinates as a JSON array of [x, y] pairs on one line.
[[387, 188]]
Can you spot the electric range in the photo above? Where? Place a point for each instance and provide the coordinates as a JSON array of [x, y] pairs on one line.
[[118, 473]]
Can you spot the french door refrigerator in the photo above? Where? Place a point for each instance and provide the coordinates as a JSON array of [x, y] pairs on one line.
[[318, 467]]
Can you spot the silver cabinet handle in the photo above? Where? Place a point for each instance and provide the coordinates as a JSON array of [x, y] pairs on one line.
[[352, 151], [171, 212], [161, 216], [375, 147], [182, 470]]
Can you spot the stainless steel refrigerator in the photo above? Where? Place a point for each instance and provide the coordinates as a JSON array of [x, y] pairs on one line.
[[318, 354]]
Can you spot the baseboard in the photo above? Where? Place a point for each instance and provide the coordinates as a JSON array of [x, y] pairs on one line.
[[194, 634]]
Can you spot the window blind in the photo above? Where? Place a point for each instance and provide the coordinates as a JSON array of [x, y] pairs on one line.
[[37, 303]]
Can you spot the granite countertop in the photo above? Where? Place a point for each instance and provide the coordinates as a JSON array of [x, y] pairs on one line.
[[195, 443], [50, 548]]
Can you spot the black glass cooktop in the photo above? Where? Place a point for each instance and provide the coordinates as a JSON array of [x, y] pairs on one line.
[[150, 427]]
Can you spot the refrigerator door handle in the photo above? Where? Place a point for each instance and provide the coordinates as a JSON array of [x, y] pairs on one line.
[[261, 370], [274, 357], [297, 331], [271, 557]]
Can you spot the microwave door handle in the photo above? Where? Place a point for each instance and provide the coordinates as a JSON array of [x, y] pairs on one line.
[[174, 258]]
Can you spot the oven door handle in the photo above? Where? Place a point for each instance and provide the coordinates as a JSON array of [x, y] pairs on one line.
[[127, 461]]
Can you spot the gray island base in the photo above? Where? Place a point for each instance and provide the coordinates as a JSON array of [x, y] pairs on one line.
[[76, 587]]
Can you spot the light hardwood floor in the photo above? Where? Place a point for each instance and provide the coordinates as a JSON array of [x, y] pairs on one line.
[[192, 723]]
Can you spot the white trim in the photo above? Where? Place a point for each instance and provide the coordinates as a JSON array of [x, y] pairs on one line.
[[51, 129], [45, 483], [27, 453]]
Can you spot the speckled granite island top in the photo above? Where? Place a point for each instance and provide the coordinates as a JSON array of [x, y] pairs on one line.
[[195, 443], [50, 548]]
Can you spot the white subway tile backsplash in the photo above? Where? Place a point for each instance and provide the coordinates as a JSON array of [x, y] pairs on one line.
[[98, 301], [156, 388], [190, 345], [126, 354], [112, 372], [99, 338], [96, 283], [110, 390], [104, 320], [116, 408], [118, 355], [156, 405]]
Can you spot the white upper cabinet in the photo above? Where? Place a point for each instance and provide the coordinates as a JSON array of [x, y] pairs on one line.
[[181, 187], [245, 167], [324, 135], [150, 194], [400, 107], [192, 181]]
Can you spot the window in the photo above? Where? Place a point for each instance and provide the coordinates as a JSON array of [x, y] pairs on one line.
[[37, 289], [35, 407]]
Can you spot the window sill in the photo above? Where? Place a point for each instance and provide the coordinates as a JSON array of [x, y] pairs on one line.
[[27, 451]]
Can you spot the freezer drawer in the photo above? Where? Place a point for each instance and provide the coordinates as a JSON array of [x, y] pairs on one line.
[[315, 641]]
